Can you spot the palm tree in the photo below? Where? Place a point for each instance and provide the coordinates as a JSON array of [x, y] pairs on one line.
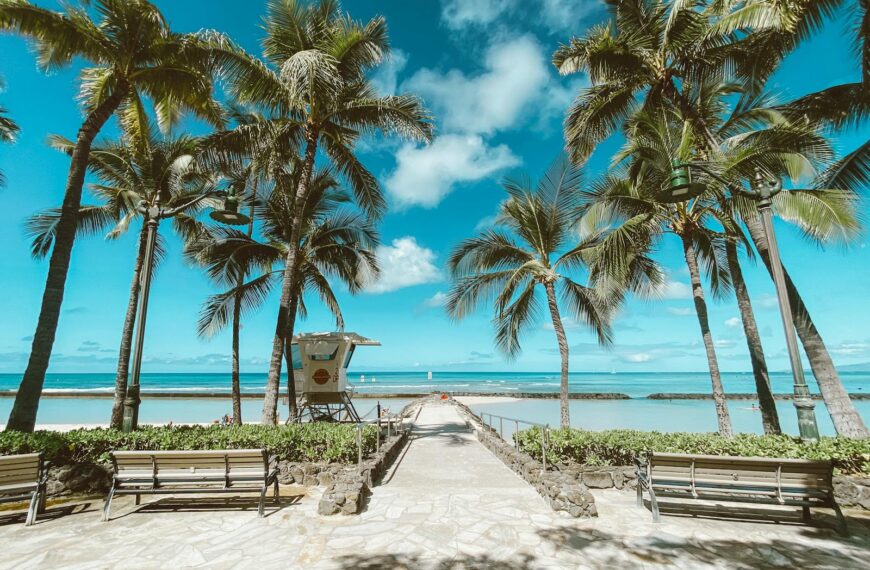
[[650, 54], [133, 54], [8, 130], [315, 79], [533, 246], [628, 201], [336, 242], [134, 175]]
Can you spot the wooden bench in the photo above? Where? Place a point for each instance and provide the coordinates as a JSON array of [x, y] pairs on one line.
[[22, 478], [794, 482], [175, 472]]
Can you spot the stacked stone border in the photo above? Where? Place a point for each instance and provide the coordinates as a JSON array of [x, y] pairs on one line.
[[351, 487], [561, 491]]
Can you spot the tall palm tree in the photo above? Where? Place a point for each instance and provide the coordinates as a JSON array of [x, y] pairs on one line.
[[534, 246], [336, 241], [8, 130], [315, 76], [134, 175], [648, 55], [133, 54], [629, 202]]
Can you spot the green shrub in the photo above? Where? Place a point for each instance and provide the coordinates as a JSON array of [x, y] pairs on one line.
[[621, 447], [314, 442]]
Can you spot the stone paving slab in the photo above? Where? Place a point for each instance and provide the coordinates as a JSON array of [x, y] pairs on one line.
[[449, 504]]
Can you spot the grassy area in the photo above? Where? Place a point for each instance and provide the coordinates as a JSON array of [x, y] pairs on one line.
[[620, 447], [314, 442]]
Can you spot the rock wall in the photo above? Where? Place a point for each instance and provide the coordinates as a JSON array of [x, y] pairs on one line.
[[562, 491], [352, 486], [852, 491]]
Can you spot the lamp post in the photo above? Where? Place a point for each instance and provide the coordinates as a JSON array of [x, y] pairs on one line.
[[682, 189], [153, 215]]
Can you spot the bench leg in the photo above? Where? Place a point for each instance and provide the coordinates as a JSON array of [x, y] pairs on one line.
[[639, 494], [137, 500], [277, 493], [654, 504], [108, 504], [40, 505], [842, 527], [807, 516], [261, 509], [31, 511]]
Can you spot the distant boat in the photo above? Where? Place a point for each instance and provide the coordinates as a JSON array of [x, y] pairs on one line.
[[429, 375], [362, 377]]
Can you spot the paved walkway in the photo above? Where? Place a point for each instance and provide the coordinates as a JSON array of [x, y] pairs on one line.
[[449, 504]]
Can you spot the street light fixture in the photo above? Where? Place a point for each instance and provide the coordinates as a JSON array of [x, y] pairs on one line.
[[230, 214], [762, 195], [153, 214]]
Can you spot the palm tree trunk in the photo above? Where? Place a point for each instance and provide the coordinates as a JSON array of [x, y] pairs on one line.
[[564, 413], [23, 415], [270, 403], [847, 421], [769, 416], [237, 322], [722, 416], [236, 388], [288, 356], [123, 370]]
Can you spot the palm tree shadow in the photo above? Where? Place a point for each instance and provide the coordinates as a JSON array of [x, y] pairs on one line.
[[414, 562]]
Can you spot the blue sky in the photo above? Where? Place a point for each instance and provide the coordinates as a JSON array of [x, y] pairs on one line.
[[483, 68]]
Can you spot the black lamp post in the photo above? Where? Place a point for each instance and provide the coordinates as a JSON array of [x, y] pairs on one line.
[[682, 189], [153, 215]]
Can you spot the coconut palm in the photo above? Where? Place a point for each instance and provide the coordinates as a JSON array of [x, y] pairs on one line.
[[628, 201], [650, 54], [337, 241], [8, 130], [134, 175], [133, 54], [314, 77], [534, 247]]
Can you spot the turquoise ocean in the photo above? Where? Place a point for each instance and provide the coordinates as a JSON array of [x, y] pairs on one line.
[[635, 413]]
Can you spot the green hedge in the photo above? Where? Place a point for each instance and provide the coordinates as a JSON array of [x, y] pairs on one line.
[[314, 442], [620, 447]]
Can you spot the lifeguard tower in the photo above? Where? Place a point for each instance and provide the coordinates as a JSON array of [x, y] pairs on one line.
[[320, 362]]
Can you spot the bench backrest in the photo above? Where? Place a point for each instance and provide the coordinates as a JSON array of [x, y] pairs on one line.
[[725, 470], [20, 469], [230, 463]]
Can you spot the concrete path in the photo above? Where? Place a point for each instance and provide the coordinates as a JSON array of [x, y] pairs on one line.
[[448, 504]]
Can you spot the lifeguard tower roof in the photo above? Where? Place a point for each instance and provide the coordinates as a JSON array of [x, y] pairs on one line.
[[337, 336]]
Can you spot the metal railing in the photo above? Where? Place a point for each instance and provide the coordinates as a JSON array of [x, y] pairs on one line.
[[394, 423], [545, 431]]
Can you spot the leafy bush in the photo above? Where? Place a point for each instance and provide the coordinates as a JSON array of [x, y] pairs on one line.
[[314, 442], [621, 447]]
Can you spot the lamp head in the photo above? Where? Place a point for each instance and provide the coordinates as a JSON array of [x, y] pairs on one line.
[[230, 215], [681, 187]]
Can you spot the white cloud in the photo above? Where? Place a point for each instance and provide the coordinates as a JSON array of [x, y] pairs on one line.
[[462, 13], [851, 348], [724, 343], [638, 357], [516, 74], [439, 299], [386, 79], [733, 322], [670, 289], [425, 175], [681, 311], [404, 263], [768, 301], [566, 15]]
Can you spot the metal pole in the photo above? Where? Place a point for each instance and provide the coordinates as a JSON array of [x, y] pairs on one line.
[[132, 400], [501, 427], [803, 403]]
